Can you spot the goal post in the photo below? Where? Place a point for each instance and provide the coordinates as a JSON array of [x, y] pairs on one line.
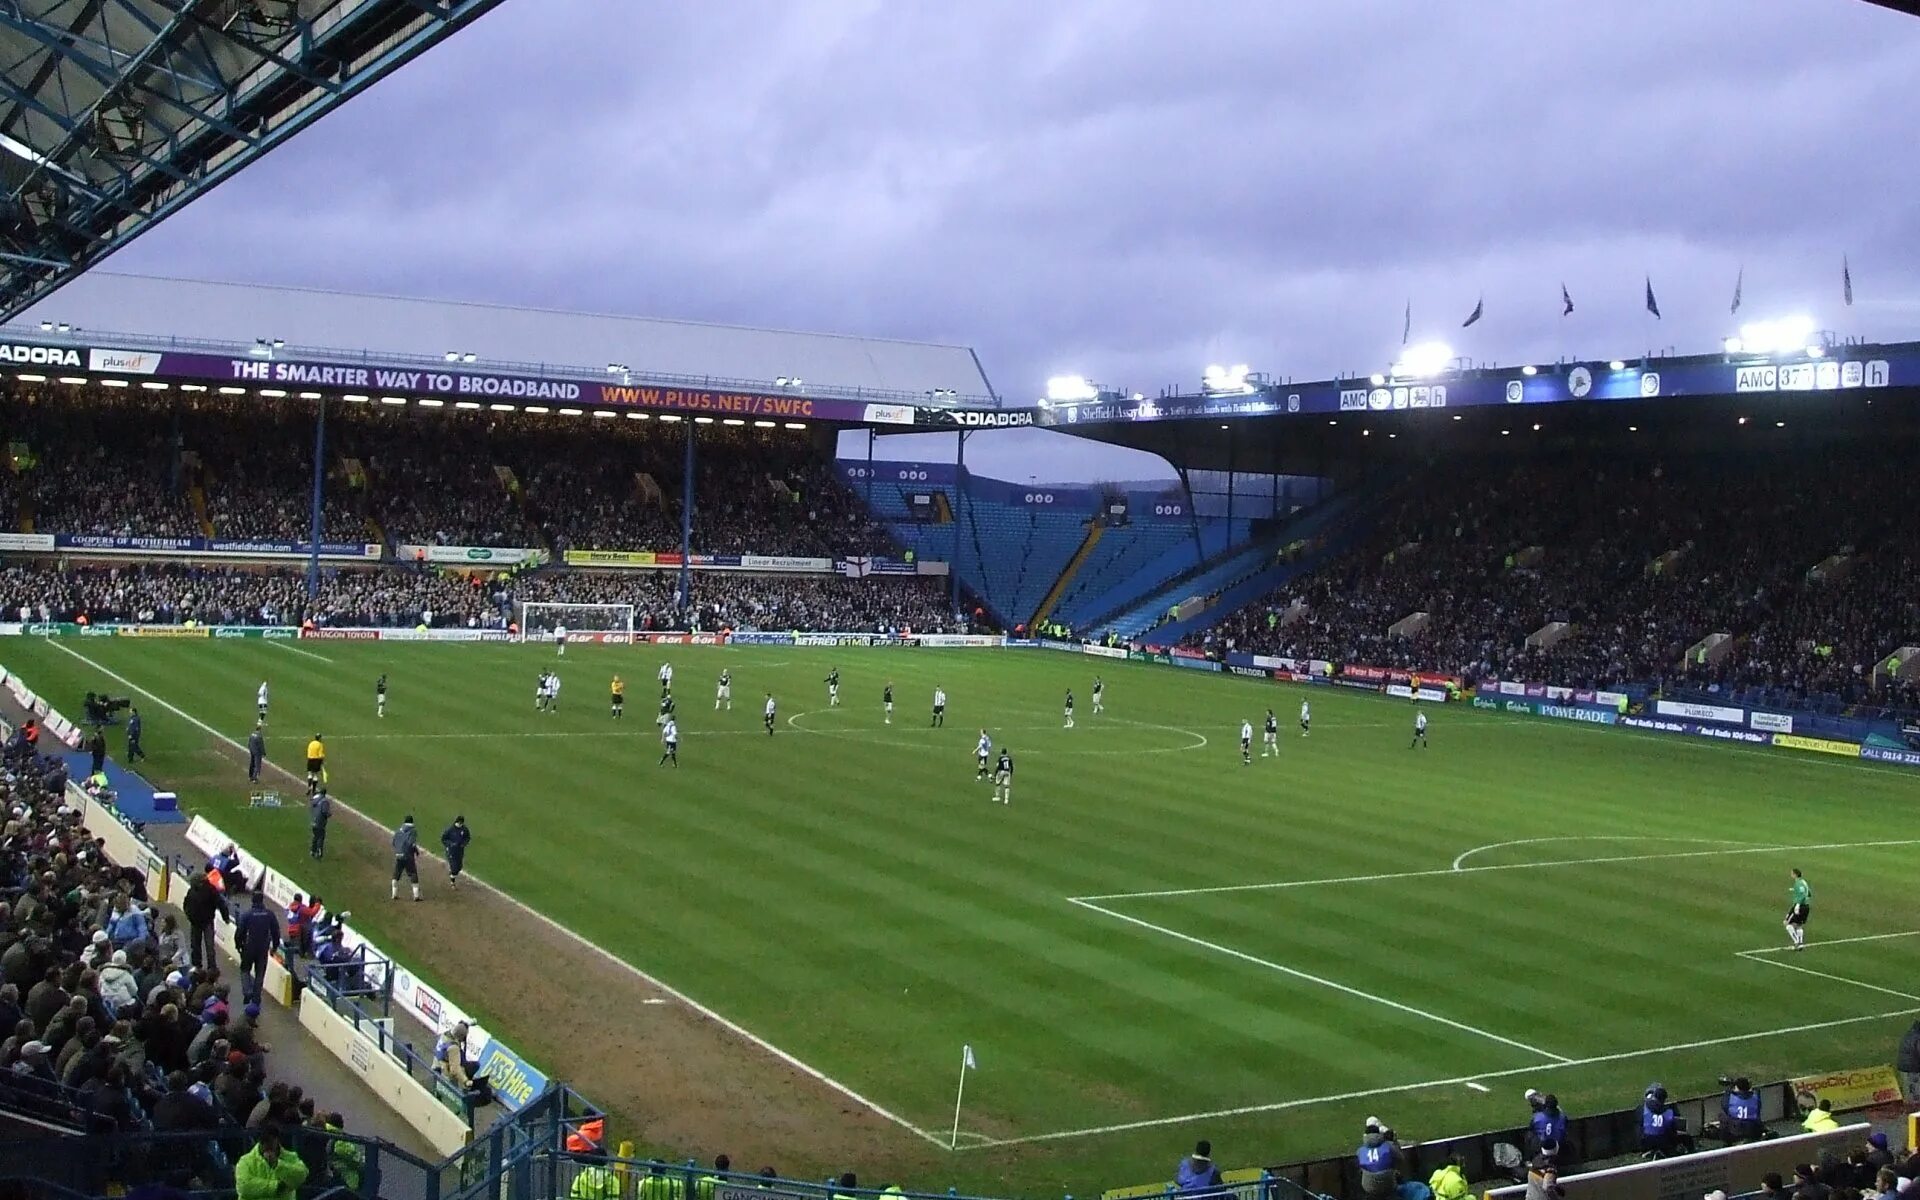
[[539, 619]]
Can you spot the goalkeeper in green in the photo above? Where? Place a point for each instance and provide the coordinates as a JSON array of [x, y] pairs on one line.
[[1800, 907]]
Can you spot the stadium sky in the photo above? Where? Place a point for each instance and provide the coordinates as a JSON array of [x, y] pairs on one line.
[[1118, 188]]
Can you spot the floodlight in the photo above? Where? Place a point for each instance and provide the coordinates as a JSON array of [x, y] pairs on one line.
[[1616, 365], [468, 357], [1529, 370], [46, 327], [1070, 389], [1424, 358], [453, 356], [1734, 345], [1816, 351], [1783, 335], [1233, 380], [1376, 380]]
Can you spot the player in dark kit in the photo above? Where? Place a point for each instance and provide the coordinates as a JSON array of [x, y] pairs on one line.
[[454, 841], [886, 701], [666, 710], [833, 688], [406, 858], [1003, 777], [380, 695], [1069, 708]]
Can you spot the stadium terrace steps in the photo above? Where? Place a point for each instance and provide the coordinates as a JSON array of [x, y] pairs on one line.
[[1230, 577], [197, 499], [1162, 552], [1251, 588], [1095, 530]]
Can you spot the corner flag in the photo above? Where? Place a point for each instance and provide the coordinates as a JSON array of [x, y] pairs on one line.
[[966, 1057]]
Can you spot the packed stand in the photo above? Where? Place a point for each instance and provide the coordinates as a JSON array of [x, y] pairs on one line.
[[432, 480], [755, 491], [116, 1017], [741, 600], [410, 596], [256, 467], [111, 467], [1643, 559]]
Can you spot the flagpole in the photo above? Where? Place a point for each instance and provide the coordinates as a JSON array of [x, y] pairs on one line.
[[953, 1143]]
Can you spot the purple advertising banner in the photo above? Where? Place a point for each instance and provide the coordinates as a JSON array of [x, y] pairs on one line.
[[481, 386]]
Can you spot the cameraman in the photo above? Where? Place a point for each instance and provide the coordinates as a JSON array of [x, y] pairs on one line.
[[1546, 1127], [1662, 1133], [1380, 1161], [1740, 1112]]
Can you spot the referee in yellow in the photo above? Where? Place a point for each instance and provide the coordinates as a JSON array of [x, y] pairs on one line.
[[316, 764], [619, 697]]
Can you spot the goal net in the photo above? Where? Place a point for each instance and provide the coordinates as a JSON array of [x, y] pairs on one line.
[[599, 622]]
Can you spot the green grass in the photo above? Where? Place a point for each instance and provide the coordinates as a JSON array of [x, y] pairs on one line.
[[846, 891]]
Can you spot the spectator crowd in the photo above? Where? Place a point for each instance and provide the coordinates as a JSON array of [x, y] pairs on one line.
[[410, 596], [102, 462], [114, 1022], [1802, 562]]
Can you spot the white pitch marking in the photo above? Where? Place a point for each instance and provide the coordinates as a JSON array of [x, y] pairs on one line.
[[1296, 973], [1458, 1080], [1596, 837], [279, 645], [733, 1027], [1871, 937], [1755, 956], [1478, 1086], [1524, 866]]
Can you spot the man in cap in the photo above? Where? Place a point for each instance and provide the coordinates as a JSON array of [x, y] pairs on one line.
[[33, 1062], [454, 841]]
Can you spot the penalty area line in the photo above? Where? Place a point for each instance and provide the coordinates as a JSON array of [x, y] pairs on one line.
[[1296, 973], [1285, 884], [733, 1027], [279, 645], [1454, 1081]]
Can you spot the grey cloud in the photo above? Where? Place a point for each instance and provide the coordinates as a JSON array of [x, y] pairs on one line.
[[1122, 188]]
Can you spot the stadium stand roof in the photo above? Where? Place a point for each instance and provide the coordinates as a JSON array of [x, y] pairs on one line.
[[189, 311], [116, 113]]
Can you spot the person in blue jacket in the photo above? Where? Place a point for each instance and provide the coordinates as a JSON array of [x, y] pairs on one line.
[[1740, 1113], [1379, 1160], [1196, 1173], [1661, 1134], [1546, 1127]]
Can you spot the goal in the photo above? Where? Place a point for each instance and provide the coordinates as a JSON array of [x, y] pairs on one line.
[[588, 622]]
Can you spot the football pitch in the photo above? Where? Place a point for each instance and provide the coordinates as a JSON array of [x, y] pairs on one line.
[[1151, 943]]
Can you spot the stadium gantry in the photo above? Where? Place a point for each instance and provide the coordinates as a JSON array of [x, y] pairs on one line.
[[117, 113]]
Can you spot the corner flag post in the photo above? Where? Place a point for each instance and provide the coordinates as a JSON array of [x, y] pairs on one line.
[[966, 1064]]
